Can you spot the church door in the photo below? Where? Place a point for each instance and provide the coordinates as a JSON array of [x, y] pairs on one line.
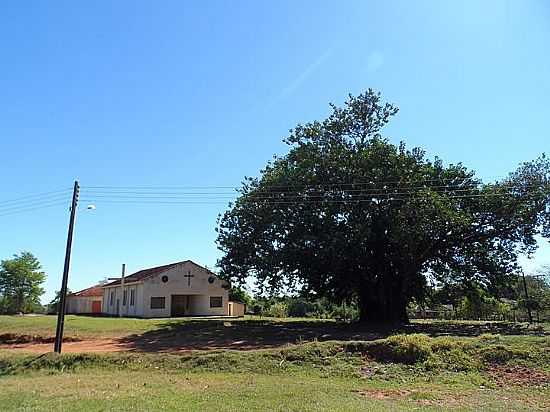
[[179, 304]]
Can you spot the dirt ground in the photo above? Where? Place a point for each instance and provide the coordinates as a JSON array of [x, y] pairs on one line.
[[92, 345], [177, 336]]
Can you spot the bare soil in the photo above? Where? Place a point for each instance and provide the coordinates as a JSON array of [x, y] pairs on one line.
[[518, 375], [91, 345]]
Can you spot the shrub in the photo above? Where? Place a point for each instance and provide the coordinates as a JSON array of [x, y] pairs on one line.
[[408, 349], [489, 337], [277, 310], [300, 308], [501, 354]]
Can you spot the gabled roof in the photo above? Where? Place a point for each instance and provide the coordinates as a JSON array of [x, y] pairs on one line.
[[147, 273], [96, 290]]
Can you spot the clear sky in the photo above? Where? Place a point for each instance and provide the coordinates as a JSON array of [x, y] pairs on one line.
[[200, 93]]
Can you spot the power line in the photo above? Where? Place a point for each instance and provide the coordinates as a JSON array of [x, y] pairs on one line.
[[36, 195], [283, 201], [316, 185], [165, 190], [33, 202], [453, 181], [259, 192], [327, 193], [120, 192], [275, 195], [346, 194], [24, 210]]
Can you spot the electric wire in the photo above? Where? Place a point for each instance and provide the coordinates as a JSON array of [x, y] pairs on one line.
[[357, 192], [32, 203], [29, 209], [35, 197]]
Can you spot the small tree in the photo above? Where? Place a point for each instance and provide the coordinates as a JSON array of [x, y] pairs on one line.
[[237, 294], [52, 306], [21, 282]]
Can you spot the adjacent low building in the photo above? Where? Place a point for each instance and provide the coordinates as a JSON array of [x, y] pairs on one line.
[[86, 302]]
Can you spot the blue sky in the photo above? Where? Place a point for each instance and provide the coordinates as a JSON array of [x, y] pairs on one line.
[[201, 93]]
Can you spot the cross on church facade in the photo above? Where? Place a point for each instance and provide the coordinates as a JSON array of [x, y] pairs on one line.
[[188, 276]]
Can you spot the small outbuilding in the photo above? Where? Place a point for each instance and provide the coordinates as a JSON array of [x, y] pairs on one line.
[[87, 301]]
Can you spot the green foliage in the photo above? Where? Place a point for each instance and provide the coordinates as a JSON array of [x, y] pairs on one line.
[[51, 307], [502, 354], [277, 310], [477, 304], [347, 215], [408, 349], [538, 291], [447, 353], [444, 353], [21, 282], [300, 307], [237, 294]]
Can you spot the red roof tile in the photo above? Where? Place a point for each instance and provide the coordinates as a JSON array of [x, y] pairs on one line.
[[96, 290]]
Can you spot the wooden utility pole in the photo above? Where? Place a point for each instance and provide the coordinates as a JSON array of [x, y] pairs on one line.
[[64, 281], [124, 301], [527, 301], [121, 304]]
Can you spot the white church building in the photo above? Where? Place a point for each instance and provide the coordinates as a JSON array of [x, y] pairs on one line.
[[178, 289]]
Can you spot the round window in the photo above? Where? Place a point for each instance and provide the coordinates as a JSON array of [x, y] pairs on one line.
[[164, 279], [211, 279]]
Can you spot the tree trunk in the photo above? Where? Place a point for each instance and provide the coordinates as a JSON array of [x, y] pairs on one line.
[[383, 304]]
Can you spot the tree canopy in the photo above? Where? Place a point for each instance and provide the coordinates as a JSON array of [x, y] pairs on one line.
[[347, 214], [21, 282]]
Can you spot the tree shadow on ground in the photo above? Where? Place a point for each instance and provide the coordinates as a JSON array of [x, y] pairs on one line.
[[471, 329], [210, 334]]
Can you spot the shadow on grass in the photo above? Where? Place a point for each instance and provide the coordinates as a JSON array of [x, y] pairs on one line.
[[241, 334], [181, 335]]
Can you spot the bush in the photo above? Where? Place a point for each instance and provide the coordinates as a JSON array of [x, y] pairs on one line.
[[418, 349], [489, 337], [300, 308], [408, 349], [277, 310], [501, 354]]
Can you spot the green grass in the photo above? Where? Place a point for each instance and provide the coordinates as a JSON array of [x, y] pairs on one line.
[[78, 326], [450, 365], [105, 327], [96, 390], [85, 327], [335, 376]]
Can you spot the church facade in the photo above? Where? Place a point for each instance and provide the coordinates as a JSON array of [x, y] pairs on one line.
[[178, 289]]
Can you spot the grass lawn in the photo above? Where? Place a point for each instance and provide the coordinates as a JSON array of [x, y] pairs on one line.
[[99, 390], [105, 327], [77, 326], [390, 374], [302, 365]]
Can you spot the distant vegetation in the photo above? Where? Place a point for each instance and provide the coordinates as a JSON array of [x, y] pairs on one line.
[[21, 280], [440, 302]]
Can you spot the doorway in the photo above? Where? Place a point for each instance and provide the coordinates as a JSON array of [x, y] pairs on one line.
[[96, 306], [179, 306]]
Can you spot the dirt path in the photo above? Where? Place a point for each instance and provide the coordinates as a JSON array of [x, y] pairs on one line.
[[92, 345], [172, 345]]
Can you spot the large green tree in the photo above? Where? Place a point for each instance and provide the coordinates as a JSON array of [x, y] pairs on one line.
[[21, 280], [347, 214]]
